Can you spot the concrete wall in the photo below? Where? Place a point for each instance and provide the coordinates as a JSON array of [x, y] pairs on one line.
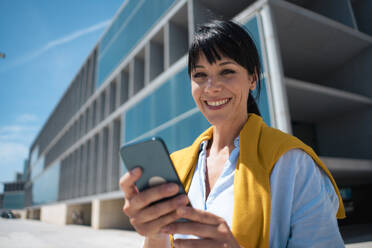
[[55, 214], [109, 214]]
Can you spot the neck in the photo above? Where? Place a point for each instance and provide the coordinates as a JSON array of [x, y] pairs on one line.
[[225, 134]]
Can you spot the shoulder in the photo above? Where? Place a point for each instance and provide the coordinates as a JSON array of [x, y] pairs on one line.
[[294, 162], [303, 199], [303, 175], [297, 162]]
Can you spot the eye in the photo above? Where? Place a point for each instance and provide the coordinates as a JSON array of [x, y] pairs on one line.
[[227, 72], [199, 75]]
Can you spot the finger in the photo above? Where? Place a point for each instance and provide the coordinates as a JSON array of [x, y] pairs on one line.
[[160, 209], [154, 194], [193, 228], [155, 225], [127, 182], [199, 216], [192, 243]]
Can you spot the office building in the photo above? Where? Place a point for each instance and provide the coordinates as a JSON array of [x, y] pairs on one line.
[[13, 196]]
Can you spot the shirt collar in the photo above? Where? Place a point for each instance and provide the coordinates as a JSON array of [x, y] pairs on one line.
[[204, 144]]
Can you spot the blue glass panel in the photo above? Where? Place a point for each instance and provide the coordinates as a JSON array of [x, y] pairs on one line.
[[45, 187], [180, 98], [161, 105], [135, 25], [14, 200], [165, 103], [117, 23], [37, 168], [263, 102], [169, 137], [183, 133], [137, 119], [189, 129], [254, 31]]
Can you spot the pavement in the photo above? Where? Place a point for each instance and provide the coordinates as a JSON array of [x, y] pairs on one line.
[[20, 233]]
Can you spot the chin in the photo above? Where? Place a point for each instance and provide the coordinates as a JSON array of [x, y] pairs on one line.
[[217, 120]]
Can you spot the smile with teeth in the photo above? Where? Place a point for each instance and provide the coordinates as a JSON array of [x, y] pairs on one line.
[[217, 103]]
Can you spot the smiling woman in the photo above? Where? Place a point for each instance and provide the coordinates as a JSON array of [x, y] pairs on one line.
[[249, 185]]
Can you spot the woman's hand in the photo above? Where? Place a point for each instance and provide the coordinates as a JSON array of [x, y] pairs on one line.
[[212, 230], [148, 219]]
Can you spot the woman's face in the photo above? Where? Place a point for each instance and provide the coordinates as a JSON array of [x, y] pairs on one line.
[[221, 90]]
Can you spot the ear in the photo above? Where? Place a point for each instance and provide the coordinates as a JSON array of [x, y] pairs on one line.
[[253, 85], [253, 79]]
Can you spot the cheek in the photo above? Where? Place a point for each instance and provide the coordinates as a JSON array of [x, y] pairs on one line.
[[241, 92], [195, 91]]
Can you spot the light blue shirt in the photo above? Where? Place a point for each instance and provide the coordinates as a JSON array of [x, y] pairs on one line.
[[303, 201]]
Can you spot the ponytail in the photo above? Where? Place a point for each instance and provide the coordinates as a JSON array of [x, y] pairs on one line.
[[252, 106]]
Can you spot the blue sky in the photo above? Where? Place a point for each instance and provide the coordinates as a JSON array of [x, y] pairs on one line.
[[45, 43]]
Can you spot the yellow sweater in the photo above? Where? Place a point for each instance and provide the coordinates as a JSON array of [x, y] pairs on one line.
[[260, 147]]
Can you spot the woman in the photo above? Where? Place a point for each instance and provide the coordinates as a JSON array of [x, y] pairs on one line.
[[250, 185]]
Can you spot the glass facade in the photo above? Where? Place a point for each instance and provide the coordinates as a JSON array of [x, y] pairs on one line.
[[168, 111], [37, 168], [45, 187], [14, 200], [135, 20]]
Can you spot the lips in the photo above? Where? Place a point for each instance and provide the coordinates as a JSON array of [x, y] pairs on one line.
[[218, 103]]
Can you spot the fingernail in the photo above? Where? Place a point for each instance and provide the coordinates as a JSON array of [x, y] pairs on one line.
[[135, 171]]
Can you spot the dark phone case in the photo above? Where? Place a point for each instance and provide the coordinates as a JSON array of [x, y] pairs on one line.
[[152, 157]]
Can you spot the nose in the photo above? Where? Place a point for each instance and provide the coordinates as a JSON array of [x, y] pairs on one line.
[[212, 85]]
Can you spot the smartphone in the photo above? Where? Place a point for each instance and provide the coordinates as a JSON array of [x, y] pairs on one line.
[[152, 156]]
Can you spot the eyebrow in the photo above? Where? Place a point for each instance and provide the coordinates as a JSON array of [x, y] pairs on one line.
[[226, 63], [220, 64], [199, 66]]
